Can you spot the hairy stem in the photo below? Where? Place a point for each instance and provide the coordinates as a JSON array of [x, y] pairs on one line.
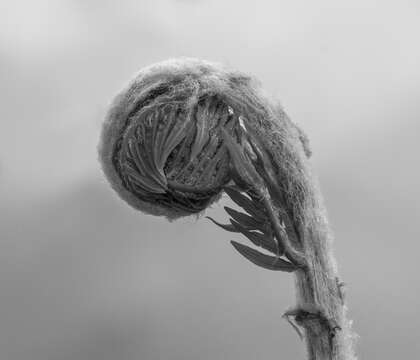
[[320, 309], [293, 205]]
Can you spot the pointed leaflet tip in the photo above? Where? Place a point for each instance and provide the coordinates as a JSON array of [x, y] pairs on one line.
[[265, 241], [227, 227], [262, 260], [262, 160], [245, 220], [244, 202], [243, 166]]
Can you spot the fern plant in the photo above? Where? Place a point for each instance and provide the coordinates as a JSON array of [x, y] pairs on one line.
[[184, 132]]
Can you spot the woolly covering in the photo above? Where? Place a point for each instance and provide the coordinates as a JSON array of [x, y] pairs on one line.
[[163, 149], [186, 82]]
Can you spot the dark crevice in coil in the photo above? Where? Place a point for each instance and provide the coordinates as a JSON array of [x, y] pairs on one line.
[[183, 182]]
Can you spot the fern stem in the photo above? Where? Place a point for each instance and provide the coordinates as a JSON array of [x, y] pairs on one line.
[[186, 128], [320, 308], [292, 202]]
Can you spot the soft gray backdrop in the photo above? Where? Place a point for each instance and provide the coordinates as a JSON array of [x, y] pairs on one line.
[[85, 277]]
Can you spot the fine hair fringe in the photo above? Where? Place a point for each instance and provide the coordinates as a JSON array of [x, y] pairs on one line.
[[192, 79]]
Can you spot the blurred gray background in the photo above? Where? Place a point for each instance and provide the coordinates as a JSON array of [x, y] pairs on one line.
[[85, 277]]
